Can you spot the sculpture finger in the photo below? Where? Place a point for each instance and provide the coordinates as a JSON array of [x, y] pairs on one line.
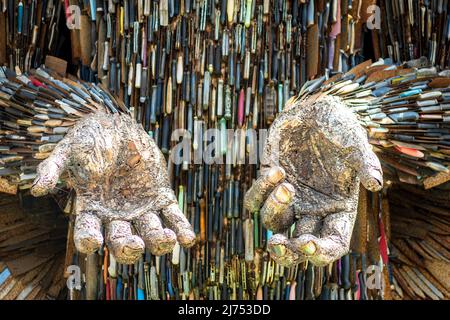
[[88, 237], [276, 213], [262, 187], [46, 179], [371, 174], [158, 240], [369, 166], [50, 169], [306, 244], [281, 253], [304, 237], [126, 247], [174, 218], [334, 240]]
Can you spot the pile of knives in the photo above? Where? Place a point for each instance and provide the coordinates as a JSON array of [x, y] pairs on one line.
[[196, 65], [32, 245], [420, 255], [231, 64], [411, 29], [159, 55], [31, 29]]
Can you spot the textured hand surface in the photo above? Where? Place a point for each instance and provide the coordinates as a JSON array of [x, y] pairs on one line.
[[323, 154], [120, 179]]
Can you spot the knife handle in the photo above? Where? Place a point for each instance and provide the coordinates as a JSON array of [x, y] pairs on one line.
[[345, 271], [326, 292], [85, 40], [309, 282], [119, 289], [19, 17]]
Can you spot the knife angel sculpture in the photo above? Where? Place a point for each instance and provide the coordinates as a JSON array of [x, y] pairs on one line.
[[116, 169]]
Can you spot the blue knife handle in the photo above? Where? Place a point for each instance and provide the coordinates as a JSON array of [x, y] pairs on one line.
[[4, 275], [140, 294], [19, 17], [119, 289]]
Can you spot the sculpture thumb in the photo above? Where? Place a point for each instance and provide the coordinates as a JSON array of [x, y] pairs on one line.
[[38, 190], [372, 179]]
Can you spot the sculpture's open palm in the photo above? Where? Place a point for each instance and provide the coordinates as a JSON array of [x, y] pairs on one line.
[[315, 156], [120, 179]]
